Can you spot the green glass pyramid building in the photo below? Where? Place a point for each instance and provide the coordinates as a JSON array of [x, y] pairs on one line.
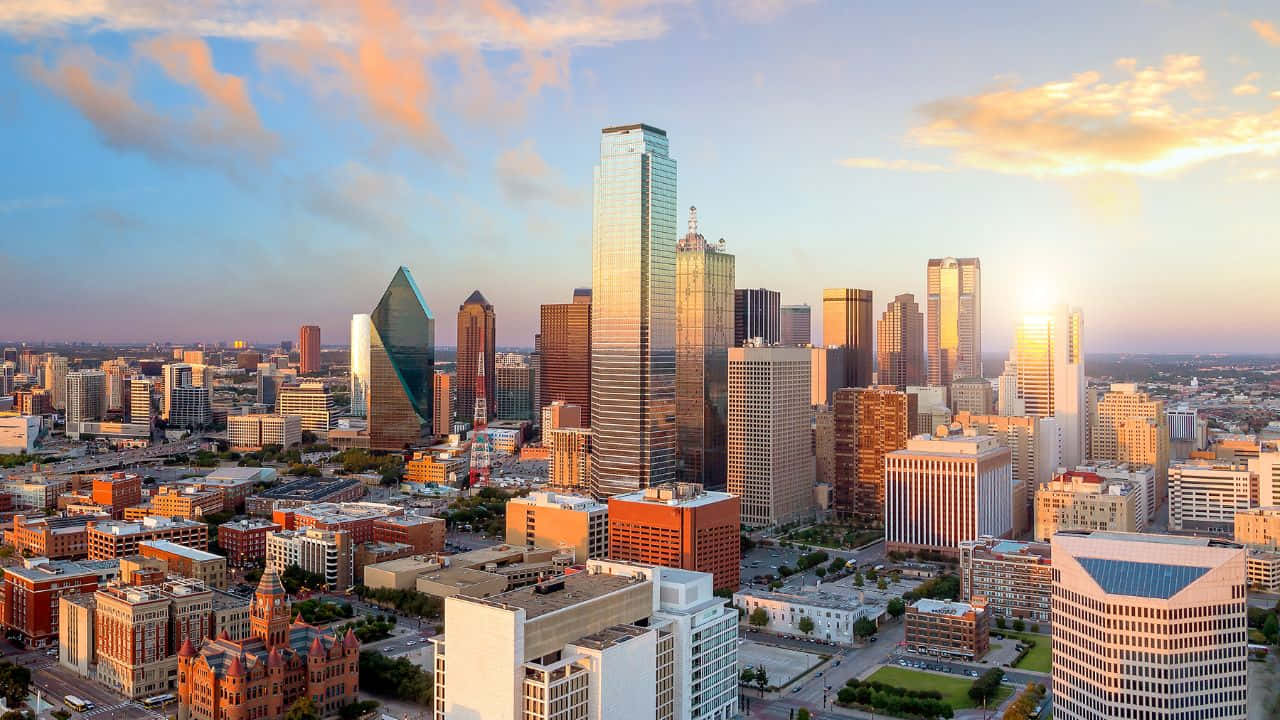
[[402, 351]]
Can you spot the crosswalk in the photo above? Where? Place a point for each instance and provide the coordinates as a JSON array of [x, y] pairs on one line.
[[144, 712]]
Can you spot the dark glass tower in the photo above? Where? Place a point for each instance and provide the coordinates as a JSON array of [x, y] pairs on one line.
[[402, 352]]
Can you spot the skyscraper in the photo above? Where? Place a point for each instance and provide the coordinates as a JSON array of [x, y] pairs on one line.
[[633, 327], [360, 333], [756, 314], [84, 395], [846, 323], [900, 353], [476, 340], [566, 353], [796, 323], [869, 424], [402, 353], [954, 287], [140, 401], [515, 388], [1049, 365], [442, 404], [704, 329], [1132, 427], [309, 349], [55, 380]]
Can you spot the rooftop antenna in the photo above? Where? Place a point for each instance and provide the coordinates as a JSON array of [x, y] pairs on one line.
[[693, 220]]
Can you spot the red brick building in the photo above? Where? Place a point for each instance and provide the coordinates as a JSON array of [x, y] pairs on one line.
[[424, 534], [245, 541], [679, 525], [261, 676], [113, 539], [117, 491], [56, 538], [29, 597], [357, 519]]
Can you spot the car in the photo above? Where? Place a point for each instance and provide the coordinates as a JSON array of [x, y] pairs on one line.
[[973, 673], [835, 664], [818, 674], [796, 689], [874, 638], [902, 663]]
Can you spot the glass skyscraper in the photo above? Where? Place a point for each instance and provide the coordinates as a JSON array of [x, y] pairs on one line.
[[954, 303], [402, 351], [633, 329], [360, 333], [704, 332]]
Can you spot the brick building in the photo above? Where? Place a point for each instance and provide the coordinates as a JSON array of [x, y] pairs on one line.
[[679, 525], [186, 502], [56, 538], [245, 541], [357, 519], [117, 491], [111, 539], [137, 631], [304, 491], [206, 567], [949, 629], [30, 595], [423, 534], [261, 676]]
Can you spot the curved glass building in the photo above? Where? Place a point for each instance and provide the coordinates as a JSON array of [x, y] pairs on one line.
[[402, 351], [360, 332]]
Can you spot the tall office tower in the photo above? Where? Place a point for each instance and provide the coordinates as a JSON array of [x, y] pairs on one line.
[[826, 373], [113, 393], [1266, 468], [1007, 400], [616, 641], [679, 525], [10, 355], [309, 349], [900, 352], [756, 314], [28, 361], [1129, 426], [140, 401], [360, 332], [955, 319], [248, 359], [770, 441], [795, 325], [633, 324], [566, 353], [941, 491], [402, 352], [846, 324], [1036, 448], [1148, 626], [1049, 362], [84, 393], [55, 380], [972, 395], [476, 343], [704, 331], [569, 468], [310, 401], [1182, 423], [869, 424], [442, 404], [515, 387], [270, 378], [535, 367], [1205, 495]]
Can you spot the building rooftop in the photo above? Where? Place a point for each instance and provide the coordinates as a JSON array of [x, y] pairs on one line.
[[308, 488], [458, 577], [347, 511], [1140, 579], [176, 549], [560, 593], [411, 520], [829, 601], [249, 524], [952, 445], [48, 570], [674, 494], [610, 637], [943, 607], [415, 563], [546, 498], [146, 524]]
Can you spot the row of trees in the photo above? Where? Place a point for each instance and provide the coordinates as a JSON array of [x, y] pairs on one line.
[[1018, 625], [408, 602], [942, 587], [1024, 706], [986, 687], [893, 700], [371, 628], [397, 678], [316, 611], [863, 627]]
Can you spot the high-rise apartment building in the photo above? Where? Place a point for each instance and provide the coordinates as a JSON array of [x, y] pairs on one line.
[[54, 374], [679, 525], [1205, 495], [1048, 366], [824, 445], [1129, 426], [552, 520], [569, 468], [477, 333], [1148, 626], [361, 330], [327, 553], [941, 491], [704, 333], [309, 349], [401, 359], [565, 348], [633, 329], [188, 395], [514, 387], [870, 423], [756, 314], [954, 300], [310, 401], [442, 403], [796, 326], [117, 373], [615, 642], [900, 351], [973, 395], [770, 452], [84, 397], [847, 324]]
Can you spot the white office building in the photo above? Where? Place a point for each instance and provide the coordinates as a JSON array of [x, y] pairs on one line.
[[310, 401], [1205, 495], [85, 393]]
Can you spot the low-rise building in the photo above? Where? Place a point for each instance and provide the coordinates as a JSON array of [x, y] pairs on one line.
[[31, 591], [56, 538], [421, 533], [551, 520], [948, 629], [833, 616], [356, 518], [370, 553], [1264, 570], [1082, 500], [445, 466], [230, 616], [1014, 579], [304, 491], [245, 541], [253, 432], [208, 568], [1259, 527], [235, 483], [116, 491], [37, 492], [111, 539], [19, 433], [187, 502]]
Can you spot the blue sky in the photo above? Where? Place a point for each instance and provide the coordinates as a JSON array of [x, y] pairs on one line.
[[218, 170]]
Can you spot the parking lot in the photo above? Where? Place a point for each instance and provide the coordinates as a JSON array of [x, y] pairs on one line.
[[782, 664]]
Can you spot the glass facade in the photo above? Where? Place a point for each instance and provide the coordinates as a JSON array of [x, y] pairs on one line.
[[633, 327], [477, 333], [360, 333], [954, 287], [704, 328], [847, 324], [402, 349]]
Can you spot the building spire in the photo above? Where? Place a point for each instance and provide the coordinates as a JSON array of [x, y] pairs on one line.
[[693, 220]]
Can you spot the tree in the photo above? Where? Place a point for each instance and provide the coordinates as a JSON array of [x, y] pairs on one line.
[[762, 679], [857, 580], [802, 714], [302, 709], [356, 709], [837, 565], [746, 544], [759, 617], [881, 584], [805, 625], [15, 683], [864, 628], [1019, 625], [984, 689], [820, 572], [1001, 622], [748, 676], [897, 608], [1271, 628]]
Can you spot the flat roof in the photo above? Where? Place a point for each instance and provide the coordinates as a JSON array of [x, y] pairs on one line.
[[610, 636], [634, 126], [942, 607], [59, 569], [829, 601], [176, 549], [235, 475], [408, 564], [308, 488], [1152, 538], [459, 577], [577, 588]]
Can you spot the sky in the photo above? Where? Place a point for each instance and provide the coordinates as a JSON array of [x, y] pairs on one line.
[[213, 170]]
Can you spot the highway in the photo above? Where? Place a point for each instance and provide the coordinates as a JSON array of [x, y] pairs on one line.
[[123, 458]]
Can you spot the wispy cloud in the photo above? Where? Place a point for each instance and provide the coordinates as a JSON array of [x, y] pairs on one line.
[[761, 11], [874, 163], [1266, 31], [525, 178], [360, 198], [1247, 86], [1150, 122]]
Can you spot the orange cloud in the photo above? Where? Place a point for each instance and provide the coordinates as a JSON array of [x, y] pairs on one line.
[[1141, 124], [187, 60], [526, 178], [1266, 31]]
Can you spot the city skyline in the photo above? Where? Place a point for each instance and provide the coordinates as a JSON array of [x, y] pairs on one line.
[[209, 131]]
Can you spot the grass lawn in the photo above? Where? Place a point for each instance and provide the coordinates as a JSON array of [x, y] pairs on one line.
[[955, 690], [1040, 657]]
